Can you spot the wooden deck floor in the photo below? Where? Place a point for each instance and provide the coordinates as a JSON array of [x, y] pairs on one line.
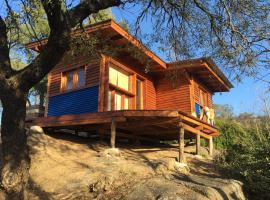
[[158, 124]]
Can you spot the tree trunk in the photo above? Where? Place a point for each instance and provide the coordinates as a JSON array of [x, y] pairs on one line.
[[41, 104], [16, 161]]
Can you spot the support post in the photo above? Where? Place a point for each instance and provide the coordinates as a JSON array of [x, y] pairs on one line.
[[211, 146], [198, 144], [113, 133], [181, 144]]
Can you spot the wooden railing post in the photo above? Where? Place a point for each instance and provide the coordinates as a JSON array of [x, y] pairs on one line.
[[211, 146], [198, 144], [181, 143], [113, 133]]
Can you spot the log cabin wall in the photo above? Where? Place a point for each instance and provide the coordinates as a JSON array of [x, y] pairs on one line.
[[173, 95], [75, 101], [137, 70], [199, 86], [149, 87]]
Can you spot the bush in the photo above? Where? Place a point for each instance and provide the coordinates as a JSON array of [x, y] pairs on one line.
[[246, 154]]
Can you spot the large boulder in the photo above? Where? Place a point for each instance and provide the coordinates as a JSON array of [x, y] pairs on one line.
[[36, 140]]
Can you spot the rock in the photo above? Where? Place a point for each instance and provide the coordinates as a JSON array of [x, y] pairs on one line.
[[161, 189], [169, 165], [181, 167], [112, 152], [36, 130], [199, 157], [36, 139]]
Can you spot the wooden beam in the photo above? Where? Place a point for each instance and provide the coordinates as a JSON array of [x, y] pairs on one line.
[[195, 131], [113, 133], [101, 83], [150, 122], [181, 158], [211, 146], [198, 144], [197, 122]]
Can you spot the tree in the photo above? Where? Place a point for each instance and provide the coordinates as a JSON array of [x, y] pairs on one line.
[[236, 32], [223, 111]]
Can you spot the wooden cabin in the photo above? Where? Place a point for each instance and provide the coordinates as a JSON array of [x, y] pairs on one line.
[[120, 95]]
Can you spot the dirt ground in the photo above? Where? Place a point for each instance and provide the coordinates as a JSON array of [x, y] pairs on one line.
[[65, 166]]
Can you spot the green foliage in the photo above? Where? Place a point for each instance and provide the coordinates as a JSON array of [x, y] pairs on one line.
[[223, 111], [102, 15], [231, 132], [246, 153]]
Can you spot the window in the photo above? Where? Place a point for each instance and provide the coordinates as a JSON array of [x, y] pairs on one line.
[[119, 94], [203, 98], [122, 94], [126, 103], [81, 77], [69, 80], [139, 99], [118, 78], [117, 101], [73, 79]]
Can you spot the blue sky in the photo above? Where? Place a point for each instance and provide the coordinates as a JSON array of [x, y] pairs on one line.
[[244, 97]]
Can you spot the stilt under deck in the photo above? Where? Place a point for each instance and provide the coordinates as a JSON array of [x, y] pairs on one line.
[[151, 125]]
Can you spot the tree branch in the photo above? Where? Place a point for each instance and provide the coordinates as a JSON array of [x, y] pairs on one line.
[[52, 52], [87, 7], [61, 22], [5, 66]]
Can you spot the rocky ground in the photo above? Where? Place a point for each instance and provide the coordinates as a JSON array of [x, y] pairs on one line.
[[65, 166]]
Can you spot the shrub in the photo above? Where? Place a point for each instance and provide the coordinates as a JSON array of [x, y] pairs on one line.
[[246, 154]]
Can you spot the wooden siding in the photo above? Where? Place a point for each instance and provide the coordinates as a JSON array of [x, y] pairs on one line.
[[197, 86], [150, 95], [173, 96], [148, 81], [92, 73]]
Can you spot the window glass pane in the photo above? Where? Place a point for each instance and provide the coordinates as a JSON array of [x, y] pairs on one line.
[[118, 78], [126, 103], [118, 101], [113, 76], [69, 78], [81, 77], [123, 81], [110, 101]]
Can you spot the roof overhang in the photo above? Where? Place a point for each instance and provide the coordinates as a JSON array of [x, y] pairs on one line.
[[206, 71], [117, 35]]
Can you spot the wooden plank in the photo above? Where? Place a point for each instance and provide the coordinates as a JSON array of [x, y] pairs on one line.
[[113, 133], [101, 84], [154, 113], [211, 146], [192, 95], [198, 122], [195, 131], [181, 158], [74, 122], [198, 144], [149, 122]]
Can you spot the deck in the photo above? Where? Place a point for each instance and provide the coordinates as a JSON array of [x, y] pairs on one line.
[[141, 124]]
